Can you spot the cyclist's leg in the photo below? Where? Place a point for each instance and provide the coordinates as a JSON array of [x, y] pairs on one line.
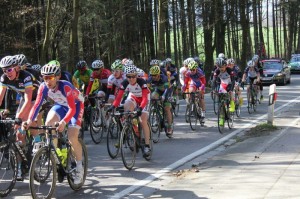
[[167, 107]]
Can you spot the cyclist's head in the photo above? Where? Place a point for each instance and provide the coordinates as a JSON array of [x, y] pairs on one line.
[[251, 64], [50, 70], [117, 65], [36, 67], [97, 65], [22, 61], [187, 61], [154, 70], [221, 55], [128, 62], [163, 64], [168, 60], [193, 66], [255, 58], [154, 62], [81, 65], [9, 66], [221, 63], [230, 62], [54, 62], [140, 72], [130, 70]]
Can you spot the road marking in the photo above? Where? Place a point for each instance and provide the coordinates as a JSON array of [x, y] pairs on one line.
[[201, 151]]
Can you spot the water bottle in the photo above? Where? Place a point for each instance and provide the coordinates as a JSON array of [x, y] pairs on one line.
[[135, 126]]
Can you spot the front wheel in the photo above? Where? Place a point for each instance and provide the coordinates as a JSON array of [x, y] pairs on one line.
[[42, 174], [221, 118], [97, 126], [113, 139], [155, 123], [193, 116], [71, 166], [8, 171], [128, 147]]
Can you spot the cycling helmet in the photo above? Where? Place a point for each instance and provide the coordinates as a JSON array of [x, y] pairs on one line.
[[117, 65], [97, 64], [8, 61], [140, 72], [193, 65], [50, 69], [129, 69], [128, 62], [251, 63], [197, 59], [154, 62], [36, 67], [54, 62], [154, 70], [81, 64], [220, 62], [168, 60], [221, 55], [230, 61], [255, 58], [21, 59], [187, 61], [162, 64]]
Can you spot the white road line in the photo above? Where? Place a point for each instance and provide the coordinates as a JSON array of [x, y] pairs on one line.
[[188, 158]]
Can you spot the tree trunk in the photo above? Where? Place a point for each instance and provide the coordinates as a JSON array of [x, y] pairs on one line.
[[44, 53], [163, 7], [73, 48]]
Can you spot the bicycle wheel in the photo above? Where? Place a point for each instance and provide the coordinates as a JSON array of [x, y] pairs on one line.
[[71, 164], [186, 115], [96, 125], [215, 103], [249, 100], [8, 170], [193, 116], [42, 174], [255, 100], [113, 139], [175, 108], [221, 117], [154, 119], [229, 117], [148, 157], [128, 147], [169, 134]]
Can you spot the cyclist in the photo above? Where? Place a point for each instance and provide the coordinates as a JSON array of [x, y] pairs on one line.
[[222, 56], [101, 74], [114, 81], [226, 77], [259, 66], [184, 69], [200, 63], [154, 62], [82, 75], [25, 65], [237, 77], [251, 73], [68, 109], [65, 75], [172, 74], [159, 85], [194, 80], [26, 85], [137, 98]]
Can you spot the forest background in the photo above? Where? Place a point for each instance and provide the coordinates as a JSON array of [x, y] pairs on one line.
[[72, 30]]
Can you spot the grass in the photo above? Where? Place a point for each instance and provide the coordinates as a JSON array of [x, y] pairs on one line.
[[261, 130]]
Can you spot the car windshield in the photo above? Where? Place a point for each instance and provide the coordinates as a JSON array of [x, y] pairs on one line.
[[295, 59], [272, 66]]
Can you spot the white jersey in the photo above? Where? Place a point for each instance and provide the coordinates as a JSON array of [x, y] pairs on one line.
[[182, 73], [113, 81]]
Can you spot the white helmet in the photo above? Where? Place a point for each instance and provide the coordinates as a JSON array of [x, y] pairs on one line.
[[8, 61], [188, 60], [50, 69], [140, 72], [221, 55], [129, 69], [128, 62], [154, 62], [21, 59], [97, 64], [36, 67], [230, 61]]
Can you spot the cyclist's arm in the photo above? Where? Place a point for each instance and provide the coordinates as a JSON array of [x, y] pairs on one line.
[[71, 103], [27, 102], [38, 102], [89, 86], [118, 99], [145, 93], [2, 93], [75, 82]]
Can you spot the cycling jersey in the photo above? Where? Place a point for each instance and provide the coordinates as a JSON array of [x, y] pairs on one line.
[[24, 80], [113, 84], [65, 95], [237, 73], [196, 79], [183, 70], [226, 78], [65, 75], [103, 77], [139, 92], [251, 73], [81, 78], [37, 75], [161, 86]]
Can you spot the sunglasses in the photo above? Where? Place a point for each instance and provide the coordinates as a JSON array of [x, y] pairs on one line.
[[96, 69], [49, 78], [8, 70], [192, 70], [131, 76]]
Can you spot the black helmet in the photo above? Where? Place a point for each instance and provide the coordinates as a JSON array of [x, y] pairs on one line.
[[81, 64], [220, 62]]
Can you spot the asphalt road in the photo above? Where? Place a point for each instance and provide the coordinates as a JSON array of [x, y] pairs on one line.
[[108, 178]]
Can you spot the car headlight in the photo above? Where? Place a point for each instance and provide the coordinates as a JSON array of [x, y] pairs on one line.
[[278, 74]]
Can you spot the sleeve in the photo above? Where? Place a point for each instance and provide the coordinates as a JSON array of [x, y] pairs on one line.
[[118, 99], [41, 95], [145, 93], [71, 103], [90, 85]]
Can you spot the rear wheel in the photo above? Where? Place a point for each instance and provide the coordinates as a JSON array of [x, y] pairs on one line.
[[113, 139], [154, 119], [71, 166], [249, 101]]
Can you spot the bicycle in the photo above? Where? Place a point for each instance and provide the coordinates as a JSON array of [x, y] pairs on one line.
[[224, 112], [9, 151], [132, 139], [47, 165], [252, 97], [214, 96], [98, 120], [194, 110], [237, 103], [173, 100], [157, 119], [114, 131]]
